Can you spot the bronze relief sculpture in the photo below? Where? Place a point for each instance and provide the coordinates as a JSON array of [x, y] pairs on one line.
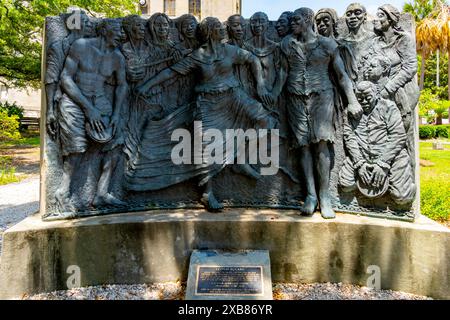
[[159, 113]]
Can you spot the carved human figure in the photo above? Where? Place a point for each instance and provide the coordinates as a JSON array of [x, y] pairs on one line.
[[236, 30], [221, 103], [283, 24], [187, 26], [187, 30], [377, 70], [267, 51], [236, 36], [163, 52], [358, 39], [399, 48], [269, 54], [92, 115], [56, 55], [378, 161], [326, 20], [136, 48], [308, 59], [137, 57]]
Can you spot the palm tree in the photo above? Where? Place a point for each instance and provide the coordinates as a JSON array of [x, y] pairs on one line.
[[432, 32], [420, 9]]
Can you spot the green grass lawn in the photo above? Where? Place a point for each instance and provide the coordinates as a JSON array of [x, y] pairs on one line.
[[435, 182], [7, 169], [24, 141]]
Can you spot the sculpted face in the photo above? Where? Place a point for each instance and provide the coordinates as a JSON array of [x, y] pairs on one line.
[[298, 24], [282, 25], [219, 31], [188, 28], [138, 30], [374, 71], [324, 24], [113, 34], [381, 23], [161, 27], [366, 97], [258, 24], [355, 16], [236, 29], [87, 26]]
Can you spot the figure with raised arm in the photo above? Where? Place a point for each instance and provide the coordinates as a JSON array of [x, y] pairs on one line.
[[221, 103]]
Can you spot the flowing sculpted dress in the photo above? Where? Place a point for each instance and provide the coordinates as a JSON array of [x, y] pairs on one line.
[[221, 104]]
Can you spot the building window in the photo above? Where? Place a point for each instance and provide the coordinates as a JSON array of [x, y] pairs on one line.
[[195, 7], [169, 7]]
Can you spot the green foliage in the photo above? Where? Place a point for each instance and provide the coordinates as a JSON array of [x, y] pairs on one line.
[[442, 131], [12, 109], [420, 9], [21, 24], [435, 183], [33, 141], [432, 106], [7, 171], [431, 72], [432, 131], [9, 126], [426, 132]]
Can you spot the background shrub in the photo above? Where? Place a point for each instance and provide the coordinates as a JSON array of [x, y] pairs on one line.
[[427, 132], [442, 131], [9, 126], [12, 109]]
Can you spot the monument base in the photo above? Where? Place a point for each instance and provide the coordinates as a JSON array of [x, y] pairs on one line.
[[155, 246]]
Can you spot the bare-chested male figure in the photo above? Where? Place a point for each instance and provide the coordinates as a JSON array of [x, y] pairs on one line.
[[91, 111]]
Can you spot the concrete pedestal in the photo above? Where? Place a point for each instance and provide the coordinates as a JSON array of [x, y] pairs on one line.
[[155, 247]]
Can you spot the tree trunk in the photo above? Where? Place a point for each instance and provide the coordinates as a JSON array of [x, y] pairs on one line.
[[422, 72], [438, 68], [439, 120]]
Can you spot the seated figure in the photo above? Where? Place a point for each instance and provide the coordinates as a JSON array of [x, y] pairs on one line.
[[377, 158]]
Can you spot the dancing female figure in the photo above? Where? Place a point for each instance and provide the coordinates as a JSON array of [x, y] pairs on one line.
[[221, 103]]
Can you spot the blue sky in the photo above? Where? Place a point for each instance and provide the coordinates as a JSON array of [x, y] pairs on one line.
[[274, 8]]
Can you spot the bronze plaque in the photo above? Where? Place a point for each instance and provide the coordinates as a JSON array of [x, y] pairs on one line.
[[230, 280]]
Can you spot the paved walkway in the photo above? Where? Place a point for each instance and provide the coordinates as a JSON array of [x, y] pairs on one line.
[[18, 201]]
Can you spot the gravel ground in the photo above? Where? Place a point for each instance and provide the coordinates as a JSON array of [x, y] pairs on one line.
[[18, 201], [176, 291]]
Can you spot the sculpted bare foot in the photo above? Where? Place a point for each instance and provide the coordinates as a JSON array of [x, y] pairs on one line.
[[309, 206], [64, 202], [107, 199], [326, 209], [211, 203]]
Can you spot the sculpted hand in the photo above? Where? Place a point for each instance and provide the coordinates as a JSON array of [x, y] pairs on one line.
[[177, 56], [114, 123], [355, 110], [265, 96], [379, 176], [364, 173], [52, 125], [95, 120]]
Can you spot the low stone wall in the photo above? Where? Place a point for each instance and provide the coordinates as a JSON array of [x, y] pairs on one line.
[[156, 246]]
